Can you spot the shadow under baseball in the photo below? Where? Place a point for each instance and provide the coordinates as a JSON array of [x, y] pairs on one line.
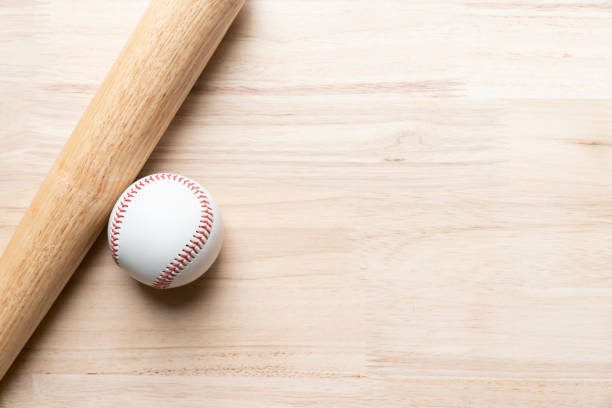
[[184, 296]]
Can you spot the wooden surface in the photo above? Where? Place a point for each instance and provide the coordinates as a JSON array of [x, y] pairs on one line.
[[417, 196], [109, 146]]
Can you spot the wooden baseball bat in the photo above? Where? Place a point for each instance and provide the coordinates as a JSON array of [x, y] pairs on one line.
[[118, 131]]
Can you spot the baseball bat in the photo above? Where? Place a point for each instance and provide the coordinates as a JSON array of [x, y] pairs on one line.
[[108, 147]]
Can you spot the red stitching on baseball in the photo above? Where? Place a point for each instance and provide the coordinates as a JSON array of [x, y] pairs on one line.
[[189, 252]]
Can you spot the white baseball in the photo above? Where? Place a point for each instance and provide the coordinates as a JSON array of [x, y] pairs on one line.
[[165, 230]]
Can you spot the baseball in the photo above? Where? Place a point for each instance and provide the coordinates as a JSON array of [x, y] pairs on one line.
[[165, 230]]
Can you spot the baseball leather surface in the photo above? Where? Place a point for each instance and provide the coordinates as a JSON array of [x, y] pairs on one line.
[[165, 230]]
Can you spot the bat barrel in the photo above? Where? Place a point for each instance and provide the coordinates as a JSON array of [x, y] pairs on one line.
[[118, 131]]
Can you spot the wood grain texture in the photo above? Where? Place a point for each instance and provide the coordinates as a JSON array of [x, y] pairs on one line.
[[111, 142], [417, 196]]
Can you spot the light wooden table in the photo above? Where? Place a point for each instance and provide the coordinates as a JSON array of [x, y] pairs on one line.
[[417, 195]]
